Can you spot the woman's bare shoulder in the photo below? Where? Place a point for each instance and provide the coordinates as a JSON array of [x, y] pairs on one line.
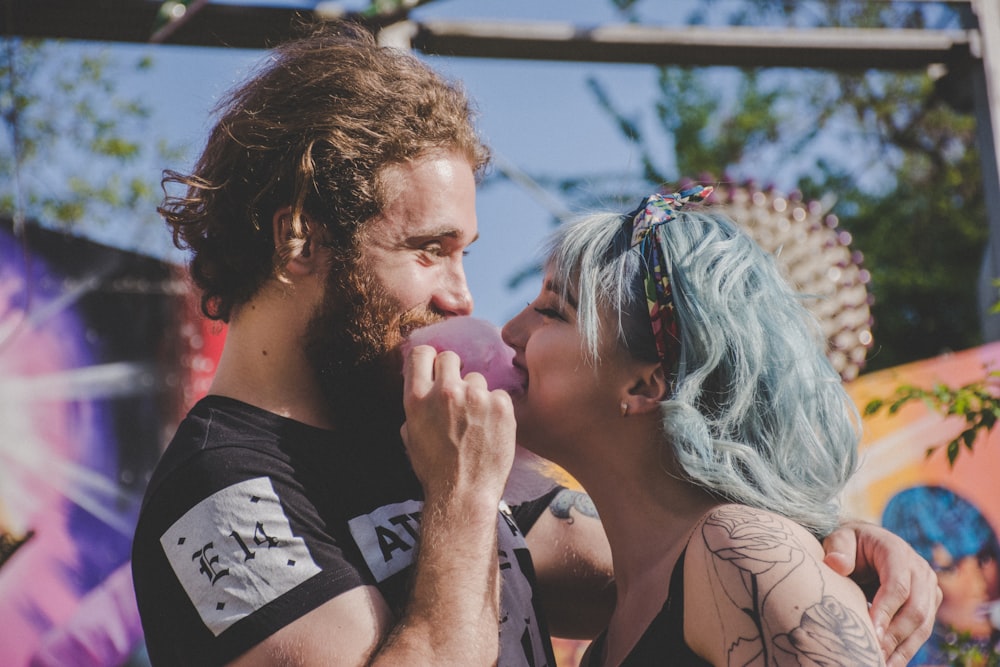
[[756, 586]]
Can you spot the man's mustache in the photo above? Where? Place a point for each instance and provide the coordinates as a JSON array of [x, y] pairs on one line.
[[416, 318]]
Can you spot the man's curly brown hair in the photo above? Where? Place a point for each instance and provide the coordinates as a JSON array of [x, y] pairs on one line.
[[312, 130]]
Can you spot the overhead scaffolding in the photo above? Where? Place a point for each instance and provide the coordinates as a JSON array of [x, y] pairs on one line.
[[258, 27], [973, 51]]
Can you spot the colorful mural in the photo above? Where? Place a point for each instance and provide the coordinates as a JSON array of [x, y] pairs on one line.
[[99, 351], [951, 515]]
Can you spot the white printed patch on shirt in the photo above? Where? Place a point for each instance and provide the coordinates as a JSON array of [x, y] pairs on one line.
[[234, 552], [388, 537]]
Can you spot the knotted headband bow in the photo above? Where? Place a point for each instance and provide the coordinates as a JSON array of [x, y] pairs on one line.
[[647, 224]]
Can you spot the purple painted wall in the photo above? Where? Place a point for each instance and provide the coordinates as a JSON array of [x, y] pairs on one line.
[[100, 352]]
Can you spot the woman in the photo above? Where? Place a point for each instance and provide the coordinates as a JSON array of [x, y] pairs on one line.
[[675, 375], [961, 545]]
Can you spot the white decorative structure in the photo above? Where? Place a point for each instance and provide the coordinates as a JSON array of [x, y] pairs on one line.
[[817, 259]]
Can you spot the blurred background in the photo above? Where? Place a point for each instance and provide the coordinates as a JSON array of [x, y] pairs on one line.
[[854, 139]]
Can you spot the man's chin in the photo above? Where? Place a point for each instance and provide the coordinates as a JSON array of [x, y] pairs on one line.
[[395, 339]]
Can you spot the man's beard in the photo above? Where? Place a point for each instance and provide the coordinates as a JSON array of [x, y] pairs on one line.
[[352, 341]]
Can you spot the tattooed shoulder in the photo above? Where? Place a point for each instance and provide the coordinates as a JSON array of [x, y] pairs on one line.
[[777, 602], [568, 499]]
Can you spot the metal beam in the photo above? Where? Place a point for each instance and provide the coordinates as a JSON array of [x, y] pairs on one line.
[[237, 26], [256, 27], [986, 91]]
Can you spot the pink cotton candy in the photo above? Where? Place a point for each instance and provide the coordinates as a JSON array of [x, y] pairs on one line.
[[479, 344], [482, 350]]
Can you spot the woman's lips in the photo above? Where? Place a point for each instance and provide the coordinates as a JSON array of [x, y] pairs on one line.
[[523, 373]]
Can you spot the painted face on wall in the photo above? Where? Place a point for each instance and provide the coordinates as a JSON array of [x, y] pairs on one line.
[[965, 587]]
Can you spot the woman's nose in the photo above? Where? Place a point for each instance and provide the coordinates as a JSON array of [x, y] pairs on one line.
[[513, 331]]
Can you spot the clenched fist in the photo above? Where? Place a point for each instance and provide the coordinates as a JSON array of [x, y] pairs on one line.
[[458, 434]]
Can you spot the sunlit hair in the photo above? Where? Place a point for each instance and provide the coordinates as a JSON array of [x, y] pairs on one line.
[[758, 415], [314, 130]]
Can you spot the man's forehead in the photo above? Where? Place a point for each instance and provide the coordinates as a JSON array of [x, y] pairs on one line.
[[397, 177], [431, 196]]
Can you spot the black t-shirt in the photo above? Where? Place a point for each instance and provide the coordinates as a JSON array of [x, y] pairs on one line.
[[252, 520]]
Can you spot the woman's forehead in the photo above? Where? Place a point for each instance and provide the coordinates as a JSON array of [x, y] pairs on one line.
[[563, 283]]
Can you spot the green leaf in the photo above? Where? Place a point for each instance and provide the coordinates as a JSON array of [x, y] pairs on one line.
[[953, 449]]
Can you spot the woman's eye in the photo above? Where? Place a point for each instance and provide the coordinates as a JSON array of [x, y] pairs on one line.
[[550, 313]]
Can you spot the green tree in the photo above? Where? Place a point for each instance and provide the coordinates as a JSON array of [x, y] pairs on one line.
[[72, 140], [899, 160]]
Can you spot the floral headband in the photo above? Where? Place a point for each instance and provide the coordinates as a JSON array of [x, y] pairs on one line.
[[647, 222]]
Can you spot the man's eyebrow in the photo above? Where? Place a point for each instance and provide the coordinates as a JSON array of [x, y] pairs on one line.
[[444, 232], [556, 288]]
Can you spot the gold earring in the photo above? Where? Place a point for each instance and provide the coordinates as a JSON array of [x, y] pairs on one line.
[[624, 409]]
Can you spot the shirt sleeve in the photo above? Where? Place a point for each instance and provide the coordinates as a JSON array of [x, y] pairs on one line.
[[231, 547]]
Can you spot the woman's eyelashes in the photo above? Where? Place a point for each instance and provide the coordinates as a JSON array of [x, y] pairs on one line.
[[550, 313]]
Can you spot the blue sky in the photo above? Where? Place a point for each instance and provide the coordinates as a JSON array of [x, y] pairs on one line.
[[538, 116]]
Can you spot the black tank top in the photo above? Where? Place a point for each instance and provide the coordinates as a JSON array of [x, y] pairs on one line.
[[663, 642]]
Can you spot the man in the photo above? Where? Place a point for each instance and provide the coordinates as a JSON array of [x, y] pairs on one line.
[[327, 216]]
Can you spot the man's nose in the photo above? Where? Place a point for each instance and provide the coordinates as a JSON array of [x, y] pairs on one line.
[[454, 298]]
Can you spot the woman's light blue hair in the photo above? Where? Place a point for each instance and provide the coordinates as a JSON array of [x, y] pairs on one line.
[[758, 415]]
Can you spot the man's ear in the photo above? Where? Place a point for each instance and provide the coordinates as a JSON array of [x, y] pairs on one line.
[[648, 389], [294, 244]]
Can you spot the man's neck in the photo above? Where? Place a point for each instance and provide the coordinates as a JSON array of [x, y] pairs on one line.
[[263, 363], [288, 399]]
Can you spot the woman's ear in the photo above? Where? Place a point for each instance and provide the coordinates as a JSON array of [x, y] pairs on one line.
[[648, 389], [294, 244]]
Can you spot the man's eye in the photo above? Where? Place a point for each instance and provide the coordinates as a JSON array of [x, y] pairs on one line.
[[434, 248]]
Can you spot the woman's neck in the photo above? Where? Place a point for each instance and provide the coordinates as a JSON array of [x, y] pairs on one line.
[[648, 515], [648, 528], [646, 508]]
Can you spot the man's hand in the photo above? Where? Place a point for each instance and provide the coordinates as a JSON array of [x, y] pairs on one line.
[[907, 594], [460, 439], [459, 434]]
